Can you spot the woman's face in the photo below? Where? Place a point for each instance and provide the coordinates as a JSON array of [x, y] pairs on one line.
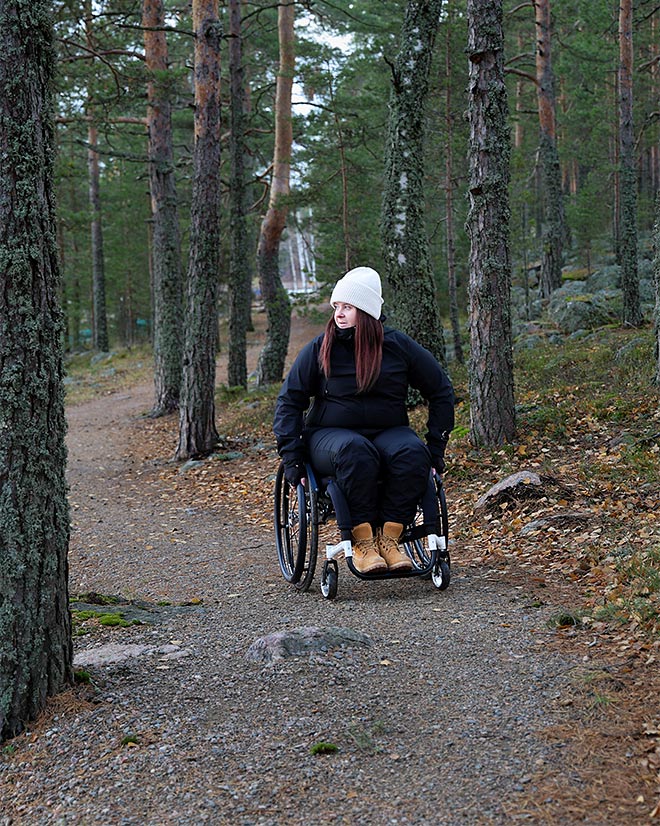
[[345, 316]]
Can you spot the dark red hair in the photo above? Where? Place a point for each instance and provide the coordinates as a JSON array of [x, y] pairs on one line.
[[368, 349]]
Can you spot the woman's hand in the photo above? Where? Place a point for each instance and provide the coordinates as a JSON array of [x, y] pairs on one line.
[[294, 474]]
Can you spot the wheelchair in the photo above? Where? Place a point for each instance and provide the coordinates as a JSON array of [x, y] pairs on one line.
[[301, 512]]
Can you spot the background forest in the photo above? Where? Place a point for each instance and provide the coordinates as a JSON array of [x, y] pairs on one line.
[[343, 76], [510, 205]]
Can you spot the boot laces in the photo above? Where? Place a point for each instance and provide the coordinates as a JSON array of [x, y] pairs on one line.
[[361, 547], [389, 543]]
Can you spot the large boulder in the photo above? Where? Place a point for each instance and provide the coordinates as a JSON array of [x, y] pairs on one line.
[[572, 308]]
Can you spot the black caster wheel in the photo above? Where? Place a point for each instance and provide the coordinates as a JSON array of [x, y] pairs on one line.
[[329, 580], [441, 575]]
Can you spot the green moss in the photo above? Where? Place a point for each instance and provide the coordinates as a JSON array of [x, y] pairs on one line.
[[108, 619], [116, 620], [82, 676], [323, 748], [93, 598]]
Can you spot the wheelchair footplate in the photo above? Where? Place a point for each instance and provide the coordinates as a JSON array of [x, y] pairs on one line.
[[430, 561]]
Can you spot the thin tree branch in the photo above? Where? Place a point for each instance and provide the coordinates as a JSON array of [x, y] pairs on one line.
[[519, 73]]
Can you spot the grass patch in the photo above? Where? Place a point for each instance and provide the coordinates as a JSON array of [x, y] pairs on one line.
[[365, 739], [130, 740], [246, 414], [89, 374]]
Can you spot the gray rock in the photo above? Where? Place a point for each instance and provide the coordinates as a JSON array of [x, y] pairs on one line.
[[117, 652], [513, 485], [572, 309], [291, 643], [567, 519], [190, 464]]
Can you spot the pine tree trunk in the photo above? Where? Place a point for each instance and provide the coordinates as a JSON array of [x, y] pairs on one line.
[[240, 292], [554, 220], [278, 309], [632, 313], [100, 321], [197, 432], [35, 625], [656, 279], [403, 229], [492, 412], [166, 244], [449, 202]]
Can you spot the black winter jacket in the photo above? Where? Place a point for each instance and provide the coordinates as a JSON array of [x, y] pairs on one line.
[[336, 402]]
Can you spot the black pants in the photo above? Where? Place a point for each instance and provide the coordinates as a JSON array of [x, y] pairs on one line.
[[396, 456]]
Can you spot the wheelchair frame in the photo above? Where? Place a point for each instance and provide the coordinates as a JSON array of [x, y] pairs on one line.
[[300, 511]]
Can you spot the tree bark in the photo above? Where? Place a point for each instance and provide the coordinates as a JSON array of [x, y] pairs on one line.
[[403, 230], [35, 625], [632, 313], [554, 220], [449, 201], [492, 412], [166, 244], [656, 279], [197, 432], [274, 296], [240, 290], [100, 319]]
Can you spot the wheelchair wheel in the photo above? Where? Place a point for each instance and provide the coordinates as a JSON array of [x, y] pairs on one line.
[[329, 579], [296, 531], [417, 549], [441, 575]]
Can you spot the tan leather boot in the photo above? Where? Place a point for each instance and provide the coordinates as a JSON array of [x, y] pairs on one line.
[[365, 554], [389, 548]]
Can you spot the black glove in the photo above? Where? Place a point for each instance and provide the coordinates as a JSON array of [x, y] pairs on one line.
[[438, 459], [438, 463], [293, 473]]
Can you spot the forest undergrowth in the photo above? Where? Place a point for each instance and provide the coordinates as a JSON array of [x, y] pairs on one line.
[[586, 541]]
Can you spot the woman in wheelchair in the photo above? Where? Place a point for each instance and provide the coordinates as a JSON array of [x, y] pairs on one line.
[[358, 374]]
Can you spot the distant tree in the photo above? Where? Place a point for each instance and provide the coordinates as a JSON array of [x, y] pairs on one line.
[[632, 312], [240, 292], [166, 244], [403, 227], [554, 217], [450, 234], [35, 624], [492, 409], [273, 294], [656, 279], [197, 431], [99, 319]]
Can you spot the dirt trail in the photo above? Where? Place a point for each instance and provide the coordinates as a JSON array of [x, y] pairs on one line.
[[454, 715]]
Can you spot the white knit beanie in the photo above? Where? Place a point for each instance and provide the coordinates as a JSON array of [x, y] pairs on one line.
[[361, 288]]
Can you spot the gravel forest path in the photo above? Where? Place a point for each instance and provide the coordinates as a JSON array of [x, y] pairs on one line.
[[460, 712]]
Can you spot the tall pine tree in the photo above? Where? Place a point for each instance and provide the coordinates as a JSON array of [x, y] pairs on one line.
[[35, 625]]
